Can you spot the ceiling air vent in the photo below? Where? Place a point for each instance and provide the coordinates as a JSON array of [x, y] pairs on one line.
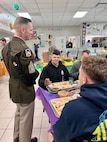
[[102, 5]]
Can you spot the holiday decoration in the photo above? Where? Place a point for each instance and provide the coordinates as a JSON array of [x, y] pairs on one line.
[[16, 6]]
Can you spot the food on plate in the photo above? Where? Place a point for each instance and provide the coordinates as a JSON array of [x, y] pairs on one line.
[[62, 93], [53, 90], [65, 85], [75, 86]]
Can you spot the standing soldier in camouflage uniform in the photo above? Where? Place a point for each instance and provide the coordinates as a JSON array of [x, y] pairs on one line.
[[19, 61]]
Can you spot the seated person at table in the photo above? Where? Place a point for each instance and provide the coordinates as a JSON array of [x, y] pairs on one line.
[[51, 47], [55, 71], [94, 44], [104, 51], [3, 42], [75, 68], [85, 118]]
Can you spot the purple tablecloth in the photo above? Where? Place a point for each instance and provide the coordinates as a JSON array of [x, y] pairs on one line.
[[45, 97]]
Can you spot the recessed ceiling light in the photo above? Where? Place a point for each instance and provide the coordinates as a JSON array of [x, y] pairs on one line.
[[24, 14], [80, 14]]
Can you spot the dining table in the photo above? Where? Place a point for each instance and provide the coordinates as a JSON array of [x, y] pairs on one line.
[[51, 99], [45, 96]]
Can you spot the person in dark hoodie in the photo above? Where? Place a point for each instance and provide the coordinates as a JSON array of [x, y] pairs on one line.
[[55, 71], [85, 118]]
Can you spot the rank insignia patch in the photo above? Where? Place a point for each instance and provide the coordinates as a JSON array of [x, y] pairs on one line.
[[28, 52]]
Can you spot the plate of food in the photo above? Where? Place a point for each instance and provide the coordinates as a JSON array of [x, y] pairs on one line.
[[64, 85], [62, 93], [53, 90], [58, 104]]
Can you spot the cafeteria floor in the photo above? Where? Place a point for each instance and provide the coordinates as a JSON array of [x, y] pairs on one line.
[[7, 111]]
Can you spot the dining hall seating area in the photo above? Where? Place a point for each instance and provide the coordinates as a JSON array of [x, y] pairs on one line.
[[41, 125]]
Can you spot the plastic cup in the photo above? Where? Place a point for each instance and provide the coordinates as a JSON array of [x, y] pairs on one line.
[[70, 80]]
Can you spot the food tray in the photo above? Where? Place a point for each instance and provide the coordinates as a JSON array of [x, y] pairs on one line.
[[58, 104], [65, 85]]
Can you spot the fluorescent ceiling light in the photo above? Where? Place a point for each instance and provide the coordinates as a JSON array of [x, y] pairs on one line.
[[24, 14], [80, 14]]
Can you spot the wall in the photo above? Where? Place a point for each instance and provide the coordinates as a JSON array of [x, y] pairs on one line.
[[58, 32], [44, 33], [6, 34]]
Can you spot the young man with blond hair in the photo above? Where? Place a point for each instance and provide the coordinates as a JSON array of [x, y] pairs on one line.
[[85, 118]]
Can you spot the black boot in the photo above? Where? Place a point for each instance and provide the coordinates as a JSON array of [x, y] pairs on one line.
[[35, 139], [16, 140]]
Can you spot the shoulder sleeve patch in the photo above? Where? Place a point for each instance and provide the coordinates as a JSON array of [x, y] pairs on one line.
[[27, 53]]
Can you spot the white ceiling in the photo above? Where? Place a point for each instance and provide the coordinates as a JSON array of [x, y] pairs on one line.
[[58, 12]]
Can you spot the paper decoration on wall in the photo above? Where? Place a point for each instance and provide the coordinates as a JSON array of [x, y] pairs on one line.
[[88, 24], [16, 6], [50, 36], [11, 25]]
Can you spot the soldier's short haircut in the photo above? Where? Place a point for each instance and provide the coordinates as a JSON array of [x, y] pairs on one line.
[[20, 21]]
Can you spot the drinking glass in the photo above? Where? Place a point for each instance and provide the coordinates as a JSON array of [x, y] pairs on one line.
[[70, 80]]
